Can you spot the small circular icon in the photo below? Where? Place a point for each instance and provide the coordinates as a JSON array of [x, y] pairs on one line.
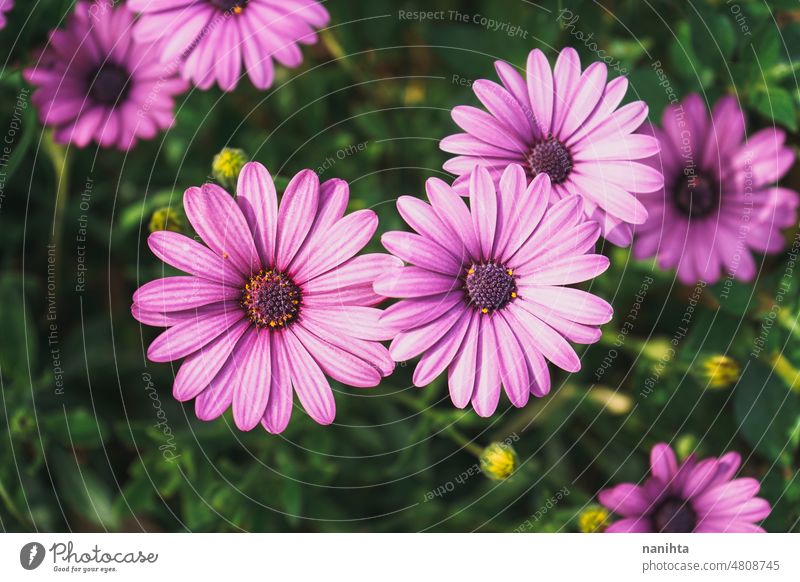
[[31, 555]]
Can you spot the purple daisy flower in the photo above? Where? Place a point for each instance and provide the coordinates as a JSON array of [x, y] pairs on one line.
[[95, 82], [565, 124], [275, 301], [719, 202], [695, 496], [5, 6], [485, 296], [212, 38]]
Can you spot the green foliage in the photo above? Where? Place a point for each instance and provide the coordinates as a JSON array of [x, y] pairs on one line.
[[100, 452]]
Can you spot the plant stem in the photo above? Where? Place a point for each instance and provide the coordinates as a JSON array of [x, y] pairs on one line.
[[58, 157]]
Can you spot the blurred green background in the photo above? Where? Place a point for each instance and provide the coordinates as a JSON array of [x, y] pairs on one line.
[[91, 437]]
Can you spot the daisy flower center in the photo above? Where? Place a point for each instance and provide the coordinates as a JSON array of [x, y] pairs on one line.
[[490, 286], [109, 84], [271, 299], [696, 198], [674, 516], [235, 6], [551, 157]]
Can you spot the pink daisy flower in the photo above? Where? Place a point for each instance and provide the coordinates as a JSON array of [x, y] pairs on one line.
[[485, 296], [564, 123], [95, 82], [213, 38], [719, 202], [274, 302], [5, 6], [695, 496]]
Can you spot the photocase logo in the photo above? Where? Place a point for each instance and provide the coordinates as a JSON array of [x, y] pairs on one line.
[[31, 555]]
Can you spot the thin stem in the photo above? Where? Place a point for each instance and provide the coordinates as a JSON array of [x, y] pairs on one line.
[[58, 157]]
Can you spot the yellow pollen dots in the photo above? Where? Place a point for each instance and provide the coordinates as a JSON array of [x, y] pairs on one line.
[[238, 10], [489, 286], [271, 300]]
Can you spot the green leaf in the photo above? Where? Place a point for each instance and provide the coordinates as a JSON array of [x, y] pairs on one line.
[[776, 104], [766, 411], [84, 493], [17, 340]]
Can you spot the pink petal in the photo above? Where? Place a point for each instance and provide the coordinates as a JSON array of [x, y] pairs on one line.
[[407, 282], [182, 293], [222, 226], [309, 382], [252, 380], [256, 196], [338, 363], [296, 215], [483, 199], [200, 368]]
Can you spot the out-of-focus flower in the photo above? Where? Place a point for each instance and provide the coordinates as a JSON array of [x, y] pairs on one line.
[[719, 202], [720, 371], [567, 124], [5, 6], [499, 461], [226, 166], [214, 40], [695, 496], [166, 219], [593, 520], [486, 295], [95, 82], [276, 301]]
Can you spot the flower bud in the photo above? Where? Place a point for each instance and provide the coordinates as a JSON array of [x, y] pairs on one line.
[[226, 166], [720, 371], [593, 520], [499, 461], [166, 219]]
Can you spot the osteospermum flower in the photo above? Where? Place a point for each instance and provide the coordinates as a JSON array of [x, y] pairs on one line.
[[693, 496], [213, 38], [485, 296], [273, 303], [5, 6], [95, 82], [719, 202], [565, 124]]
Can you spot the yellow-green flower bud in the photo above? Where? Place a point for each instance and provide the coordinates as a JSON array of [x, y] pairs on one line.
[[593, 520], [226, 166], [720, 371], [166, 219], [499, 461]]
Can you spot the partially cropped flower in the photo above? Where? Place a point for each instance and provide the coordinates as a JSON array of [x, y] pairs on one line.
[[720, 371], [166, 219], [5, 6], [96, 83], [499, 461], [215, 40], [486, 295], [276, 301], [567, 124], [227, 164], [593, 520], [694, 496], [719, 202]]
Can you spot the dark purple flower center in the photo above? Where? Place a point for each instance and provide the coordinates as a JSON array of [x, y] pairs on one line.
[[551, 157], [490, 286], [234, 6], [271, 299], [697, 197], [674, 516], [109, 85]]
